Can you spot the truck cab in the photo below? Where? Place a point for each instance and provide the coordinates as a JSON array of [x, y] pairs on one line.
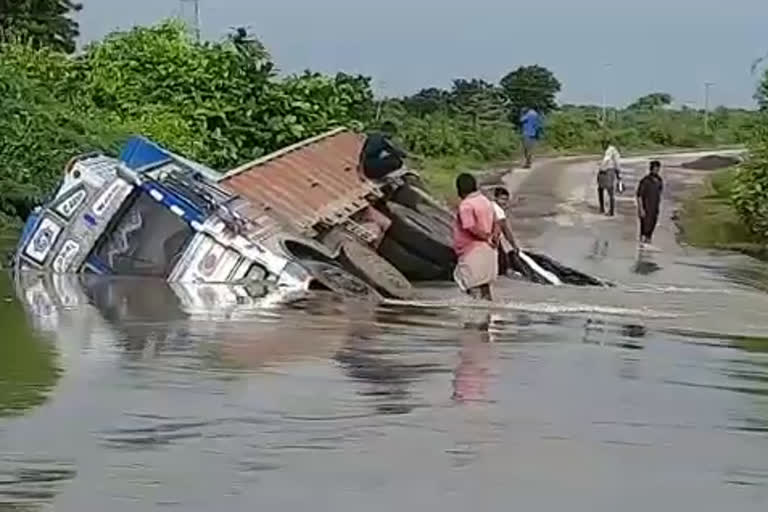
[[153, 214]]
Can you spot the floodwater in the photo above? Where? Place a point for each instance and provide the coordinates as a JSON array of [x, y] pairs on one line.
[[652, 395]]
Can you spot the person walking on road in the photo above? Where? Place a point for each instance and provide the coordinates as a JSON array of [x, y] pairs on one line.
[[649, 200], [530, 124], [609, 177], [507, 242], [475, 239]]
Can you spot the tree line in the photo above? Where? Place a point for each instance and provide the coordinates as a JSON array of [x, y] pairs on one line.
[[222, 103]]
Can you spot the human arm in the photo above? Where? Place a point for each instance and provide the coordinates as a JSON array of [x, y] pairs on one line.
[[508, 234], [616, 157], [502, 227], [639, 196], [469, 222]]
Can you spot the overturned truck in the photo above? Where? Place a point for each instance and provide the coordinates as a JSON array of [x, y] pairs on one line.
[[387, 232], [299, 219], [151, 213], [384, 231]]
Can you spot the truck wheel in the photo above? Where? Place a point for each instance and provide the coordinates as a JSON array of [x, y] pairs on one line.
[[430, 207], [366, 264], [411, 265], [421, 235], [407, 196], [418, 199], [334, 278]]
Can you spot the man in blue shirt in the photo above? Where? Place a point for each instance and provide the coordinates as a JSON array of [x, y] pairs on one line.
[[530, 123]]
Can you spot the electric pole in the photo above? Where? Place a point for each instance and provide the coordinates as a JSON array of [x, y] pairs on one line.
[[195, 22], [604, 116], [382, 85], [707, 86]]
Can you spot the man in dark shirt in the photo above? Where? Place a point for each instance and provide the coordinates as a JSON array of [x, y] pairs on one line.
[[379, 155], [648, 201]]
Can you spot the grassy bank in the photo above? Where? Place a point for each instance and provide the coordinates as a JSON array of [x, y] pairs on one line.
[[708, 219]]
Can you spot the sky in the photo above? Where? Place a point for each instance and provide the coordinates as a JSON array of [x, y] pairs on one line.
[[617, 49]]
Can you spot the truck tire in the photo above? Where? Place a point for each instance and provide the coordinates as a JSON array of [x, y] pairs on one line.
[[407, 196], [411, 265], [430, 207], [334, 278], [421, 235], [418, 199], [369, 266]]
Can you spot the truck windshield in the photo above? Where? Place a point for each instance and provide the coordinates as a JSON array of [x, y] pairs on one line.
[[147, 240]]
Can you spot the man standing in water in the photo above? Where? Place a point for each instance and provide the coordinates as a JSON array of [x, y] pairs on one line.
[[530, 124], [507, 242], [648, 201], [475, 238], [608, 177]]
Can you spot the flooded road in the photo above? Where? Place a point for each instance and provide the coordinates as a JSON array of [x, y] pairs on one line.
[[134, 395]]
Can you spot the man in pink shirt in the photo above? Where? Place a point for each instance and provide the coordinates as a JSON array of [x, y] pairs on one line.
[[475, 239]]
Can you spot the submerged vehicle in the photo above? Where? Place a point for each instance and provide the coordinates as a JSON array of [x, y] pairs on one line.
[[314, 187], [152, 213], [299, 219]]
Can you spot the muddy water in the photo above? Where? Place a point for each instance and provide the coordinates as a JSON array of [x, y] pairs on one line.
[[653, 395]]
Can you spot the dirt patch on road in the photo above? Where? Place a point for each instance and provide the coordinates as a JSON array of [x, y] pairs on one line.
[[711, 163]]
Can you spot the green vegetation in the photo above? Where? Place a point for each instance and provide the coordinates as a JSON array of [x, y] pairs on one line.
[[218, 103], [750, 191], [42, 22], [708, 218], [27, 364], [732, 211], [222, 103]]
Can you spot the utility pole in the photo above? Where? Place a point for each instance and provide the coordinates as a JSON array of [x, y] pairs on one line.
[[382, 85], [707, 86], [604, 116], [195, 15]]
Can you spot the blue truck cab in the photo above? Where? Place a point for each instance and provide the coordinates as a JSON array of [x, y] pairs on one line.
[[152, 213]]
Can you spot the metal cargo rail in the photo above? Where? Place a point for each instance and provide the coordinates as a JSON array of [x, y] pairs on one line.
[[311, 184]]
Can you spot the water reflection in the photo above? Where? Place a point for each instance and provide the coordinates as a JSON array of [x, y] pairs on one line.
[[28, 367], [27, 484], [645, 264], [200, 395], [473, 373], [624, 335], [599, 250]]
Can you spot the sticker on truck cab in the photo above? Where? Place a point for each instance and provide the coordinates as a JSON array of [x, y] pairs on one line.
[[43, 240], [116, 192]]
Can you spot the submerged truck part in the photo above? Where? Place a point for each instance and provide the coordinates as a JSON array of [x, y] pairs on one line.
[[154, 215]]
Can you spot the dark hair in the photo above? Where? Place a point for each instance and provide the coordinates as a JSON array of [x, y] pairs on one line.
[[500, 192], [655, 164], [465, 184]]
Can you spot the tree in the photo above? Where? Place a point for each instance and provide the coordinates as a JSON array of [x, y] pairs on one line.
[[761, 95], [427, 101], [530, 87], [653, 101], [478, 99], [42, 22]]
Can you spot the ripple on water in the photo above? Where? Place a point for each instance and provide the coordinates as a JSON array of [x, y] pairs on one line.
[[27, 481]]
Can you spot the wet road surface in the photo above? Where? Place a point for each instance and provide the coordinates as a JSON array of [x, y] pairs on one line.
[[133, 395]]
